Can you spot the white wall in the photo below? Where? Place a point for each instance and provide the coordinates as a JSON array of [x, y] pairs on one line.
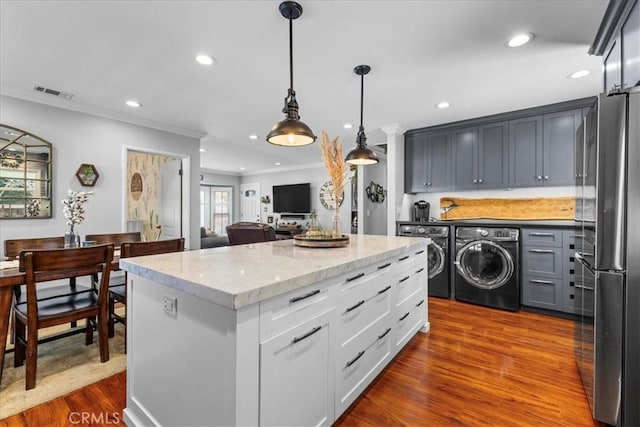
[[434, 198], [316, 176], [83, 138], [216, 178]]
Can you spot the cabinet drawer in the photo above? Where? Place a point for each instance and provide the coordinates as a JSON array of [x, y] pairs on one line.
[[407, 283], [541, 237], [542, 292], [409, 260], [410, 316], [544, 261], [358, 287], [356, 319], [292, 308], [360, 362]]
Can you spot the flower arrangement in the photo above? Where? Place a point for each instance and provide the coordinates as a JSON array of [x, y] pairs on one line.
[[33, 207], [73, 207], [337, 169]]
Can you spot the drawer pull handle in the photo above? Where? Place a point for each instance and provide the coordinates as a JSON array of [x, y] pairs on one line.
[[403, 317], [384, 266], [307, 335], [420, 271], [403, 279], [420, 303], [382, 291], [586, 288], [541, 234], [384, 334], [541, 251], [403, 258], [420, 252], [543, 282], [355, 359], [300, 298], [353, 307], [357, 276]]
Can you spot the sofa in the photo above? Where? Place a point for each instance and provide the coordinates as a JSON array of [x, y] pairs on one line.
[[241, 233], [209, 239]]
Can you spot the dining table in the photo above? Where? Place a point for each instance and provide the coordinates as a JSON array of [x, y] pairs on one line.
[[10, 277]]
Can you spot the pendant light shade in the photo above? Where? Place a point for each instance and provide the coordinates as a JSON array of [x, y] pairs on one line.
[[361, 155], [291, 132]]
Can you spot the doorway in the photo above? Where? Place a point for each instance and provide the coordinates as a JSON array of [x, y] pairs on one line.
[[156, 195], [250, 202], [216, 207]]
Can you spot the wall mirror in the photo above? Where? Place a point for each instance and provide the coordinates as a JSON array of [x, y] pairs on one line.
[[25, 175]]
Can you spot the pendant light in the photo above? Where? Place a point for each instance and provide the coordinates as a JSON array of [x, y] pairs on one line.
[[361, 155], [291, 132]]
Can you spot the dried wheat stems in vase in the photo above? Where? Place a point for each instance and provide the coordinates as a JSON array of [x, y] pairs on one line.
[[335, 164]]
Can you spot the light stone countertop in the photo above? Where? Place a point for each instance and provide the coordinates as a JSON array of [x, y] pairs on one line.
[[238, 276]]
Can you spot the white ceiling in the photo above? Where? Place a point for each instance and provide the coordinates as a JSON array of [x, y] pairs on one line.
[[420, 52]]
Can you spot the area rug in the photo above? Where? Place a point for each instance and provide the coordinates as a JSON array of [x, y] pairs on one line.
[[64, 365]]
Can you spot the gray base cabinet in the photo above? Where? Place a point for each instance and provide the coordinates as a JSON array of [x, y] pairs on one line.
[[548, 270]]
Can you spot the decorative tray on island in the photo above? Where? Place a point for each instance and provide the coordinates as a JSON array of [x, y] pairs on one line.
[[321, 241]]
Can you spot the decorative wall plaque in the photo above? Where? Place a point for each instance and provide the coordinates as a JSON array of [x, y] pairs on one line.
[[87, 174], [136, 186]]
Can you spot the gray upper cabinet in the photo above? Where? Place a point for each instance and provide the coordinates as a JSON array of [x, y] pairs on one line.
[[631, 48], [558, 151], [525, 152], [542, 149], [427, 162], [527, 148], [480, 157]]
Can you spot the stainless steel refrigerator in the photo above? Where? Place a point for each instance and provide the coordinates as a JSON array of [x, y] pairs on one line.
[[608, 257]]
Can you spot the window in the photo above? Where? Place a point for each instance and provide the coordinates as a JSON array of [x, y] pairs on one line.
[[216, 207]]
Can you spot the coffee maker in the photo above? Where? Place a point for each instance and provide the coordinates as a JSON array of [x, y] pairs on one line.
[[421, 211]]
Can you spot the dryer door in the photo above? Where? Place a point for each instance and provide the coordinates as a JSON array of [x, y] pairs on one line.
[[485, 264], [435, 259]]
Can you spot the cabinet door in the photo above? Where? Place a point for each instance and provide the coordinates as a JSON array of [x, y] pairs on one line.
[[439, 161], [297, 375], [493, 163], [525, 152], [542, 292], [558, 148], [613, 68], [631, 48], [542, 261], [415, 173], [465, 158]]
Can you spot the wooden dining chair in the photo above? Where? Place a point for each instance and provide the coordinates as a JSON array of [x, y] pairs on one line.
[[12, 250], [116, 280], [134, 249], [41, 266]]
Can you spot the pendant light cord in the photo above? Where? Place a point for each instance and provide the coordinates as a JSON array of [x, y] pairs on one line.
[[361, 98], [291, 53]]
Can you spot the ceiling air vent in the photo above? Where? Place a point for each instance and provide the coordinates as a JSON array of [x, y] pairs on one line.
[[53, 92]]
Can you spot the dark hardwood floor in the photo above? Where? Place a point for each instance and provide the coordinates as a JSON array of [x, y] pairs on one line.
[[476, 367]]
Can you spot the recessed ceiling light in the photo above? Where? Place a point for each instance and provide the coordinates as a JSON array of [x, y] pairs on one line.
[[520, 39], [579, 74], [202, 150], [242, 168], [205, 59], [253, 136], [443, 104], [133, 104], [277, 163], [347, 125]]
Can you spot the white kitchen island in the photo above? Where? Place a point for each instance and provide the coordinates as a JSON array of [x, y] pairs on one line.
[[267, 334]]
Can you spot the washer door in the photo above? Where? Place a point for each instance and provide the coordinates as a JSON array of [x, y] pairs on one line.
[[485, 264], [435, 260]]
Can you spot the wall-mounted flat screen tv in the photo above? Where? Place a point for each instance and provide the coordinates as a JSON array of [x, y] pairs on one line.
[[292, 198]]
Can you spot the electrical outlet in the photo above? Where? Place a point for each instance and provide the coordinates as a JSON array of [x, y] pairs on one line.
[[170, 305]]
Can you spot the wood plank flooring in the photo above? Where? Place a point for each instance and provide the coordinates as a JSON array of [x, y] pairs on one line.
[[476, 367]]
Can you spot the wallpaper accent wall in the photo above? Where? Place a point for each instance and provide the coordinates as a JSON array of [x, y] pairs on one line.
[[145, 205]]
